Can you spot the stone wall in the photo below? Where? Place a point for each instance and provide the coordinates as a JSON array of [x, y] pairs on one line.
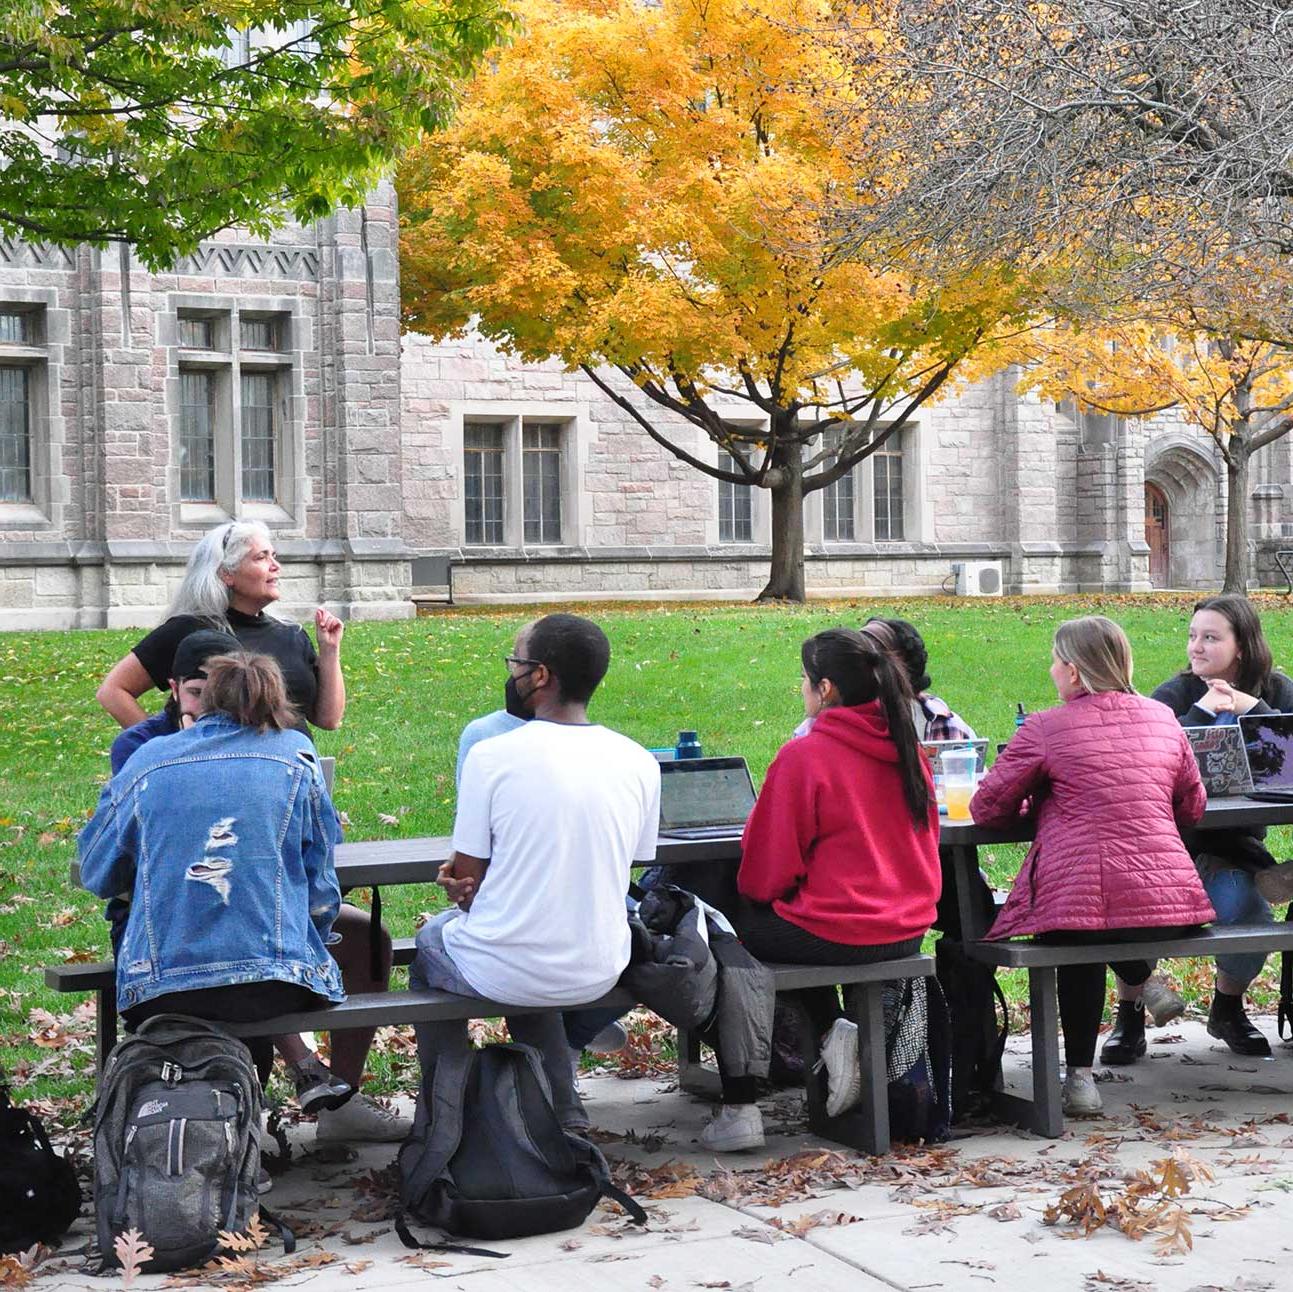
[[991, 476], [105, 536]]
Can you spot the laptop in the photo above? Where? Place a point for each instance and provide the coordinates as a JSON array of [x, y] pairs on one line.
[[1268, 741], [1222, 759], [704, 798], [934, 750]]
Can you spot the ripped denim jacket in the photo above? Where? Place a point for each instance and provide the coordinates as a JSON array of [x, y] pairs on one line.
[[226, 837]]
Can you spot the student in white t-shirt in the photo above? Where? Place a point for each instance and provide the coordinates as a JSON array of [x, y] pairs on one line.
[[551, 816]]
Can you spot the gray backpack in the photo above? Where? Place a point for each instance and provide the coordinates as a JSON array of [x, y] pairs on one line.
[[176, 1141], [487, 1157]]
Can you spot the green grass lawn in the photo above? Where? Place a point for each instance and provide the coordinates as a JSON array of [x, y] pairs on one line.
[[729, 671]]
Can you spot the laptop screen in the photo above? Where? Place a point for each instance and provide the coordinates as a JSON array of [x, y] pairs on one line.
[[1223, 763], [705, 791], [1268, 738]]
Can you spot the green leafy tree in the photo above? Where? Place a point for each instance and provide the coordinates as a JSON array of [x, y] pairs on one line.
[[161, 122]]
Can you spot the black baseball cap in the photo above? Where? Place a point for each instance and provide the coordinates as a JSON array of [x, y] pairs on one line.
[[193, 652]]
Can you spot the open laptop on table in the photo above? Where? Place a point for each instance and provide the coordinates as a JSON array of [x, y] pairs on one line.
[[1222, 759], [704, 798], [1268, 741]]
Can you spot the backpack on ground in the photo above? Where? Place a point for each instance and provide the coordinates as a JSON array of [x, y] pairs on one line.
[[176, 1141], [918, 1060], [487, 1157], [39, 1195], [978, 1041]]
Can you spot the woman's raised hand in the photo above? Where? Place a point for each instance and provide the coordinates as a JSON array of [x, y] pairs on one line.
[[328, 629]]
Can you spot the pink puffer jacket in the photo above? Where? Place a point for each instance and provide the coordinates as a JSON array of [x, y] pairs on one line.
[[1111, 777]]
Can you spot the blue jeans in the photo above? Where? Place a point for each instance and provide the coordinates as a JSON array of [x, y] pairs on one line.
[[1236, 900], [433, 968]]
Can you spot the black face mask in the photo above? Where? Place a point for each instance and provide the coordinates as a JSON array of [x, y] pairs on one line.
[[514, 702]]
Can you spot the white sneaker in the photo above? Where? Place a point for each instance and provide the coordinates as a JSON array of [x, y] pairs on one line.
[[1081, 1096], [361, 1118], [733, 1128], [610, 1040], [1162, 1004], [843, 1070]]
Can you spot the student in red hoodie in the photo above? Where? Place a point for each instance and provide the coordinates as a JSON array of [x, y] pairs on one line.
[[840, 856]]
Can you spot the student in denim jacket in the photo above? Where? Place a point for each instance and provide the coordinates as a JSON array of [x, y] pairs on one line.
[[225, 834]]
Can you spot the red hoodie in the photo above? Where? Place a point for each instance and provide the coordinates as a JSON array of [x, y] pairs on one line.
[[831, 843]]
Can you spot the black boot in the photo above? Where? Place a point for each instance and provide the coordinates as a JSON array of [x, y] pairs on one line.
[[1126, 1042], [1228, 1022]]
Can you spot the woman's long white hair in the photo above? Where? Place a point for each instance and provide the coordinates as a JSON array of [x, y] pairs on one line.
[[203, 593]]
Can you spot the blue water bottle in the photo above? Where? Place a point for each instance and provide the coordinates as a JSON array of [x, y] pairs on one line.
[[1020, 716], [688, 745]]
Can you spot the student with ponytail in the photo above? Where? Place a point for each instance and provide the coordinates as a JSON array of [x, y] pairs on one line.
[[840, 856]]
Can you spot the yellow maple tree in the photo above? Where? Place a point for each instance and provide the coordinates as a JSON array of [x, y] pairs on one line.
[[648, 192]]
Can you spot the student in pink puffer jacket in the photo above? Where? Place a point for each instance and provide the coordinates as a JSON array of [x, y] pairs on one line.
[[1111, 780]]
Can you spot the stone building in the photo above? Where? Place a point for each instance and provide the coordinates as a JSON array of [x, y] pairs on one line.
[[1064, 501], [139, 409], [271, 381]]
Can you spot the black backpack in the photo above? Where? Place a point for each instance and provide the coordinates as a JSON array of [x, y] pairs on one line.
[[918, 1061], [487, 1157], [977, 1040], [39, 1195]]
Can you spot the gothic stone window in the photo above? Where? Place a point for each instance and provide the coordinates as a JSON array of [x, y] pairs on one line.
[[235, 370], [887, 494], [735, 506], [515, 480], [21, 365]]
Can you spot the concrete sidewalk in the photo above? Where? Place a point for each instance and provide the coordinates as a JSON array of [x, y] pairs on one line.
[[966, 1215]]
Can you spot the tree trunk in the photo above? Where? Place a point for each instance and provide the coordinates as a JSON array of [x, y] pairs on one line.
[[786, 578], [1236, 579]]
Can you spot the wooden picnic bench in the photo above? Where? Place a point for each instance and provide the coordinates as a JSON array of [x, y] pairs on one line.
[[403, 861], [1041, 1112]]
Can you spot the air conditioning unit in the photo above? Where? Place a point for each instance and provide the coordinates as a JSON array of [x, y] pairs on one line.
[[977, 578]]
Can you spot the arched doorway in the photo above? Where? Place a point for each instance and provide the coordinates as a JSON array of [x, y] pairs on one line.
[[1156, 535]]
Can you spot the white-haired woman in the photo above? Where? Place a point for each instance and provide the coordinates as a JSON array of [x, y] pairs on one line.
[[231, 578]]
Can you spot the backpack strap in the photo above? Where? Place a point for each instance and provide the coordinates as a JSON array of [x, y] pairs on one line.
[[443, 1094], [636, 1214], [596, 1159], [286, 1234], [1285, 1012], [1003, 1032], [376, 952], [402, 1229]]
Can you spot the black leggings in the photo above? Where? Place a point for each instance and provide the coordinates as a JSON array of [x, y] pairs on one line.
[[1081, 987], [774, 940], [251, 1002]]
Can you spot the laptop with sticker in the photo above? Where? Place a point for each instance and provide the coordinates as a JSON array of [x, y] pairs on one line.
[[704, 798], [1222, 759]]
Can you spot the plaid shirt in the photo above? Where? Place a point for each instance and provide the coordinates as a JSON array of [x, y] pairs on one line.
[[940, 722]]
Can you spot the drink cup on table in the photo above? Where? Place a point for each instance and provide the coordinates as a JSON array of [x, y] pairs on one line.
[[959, 767]]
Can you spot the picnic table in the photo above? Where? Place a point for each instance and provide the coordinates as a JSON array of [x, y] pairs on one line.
[[377, 863], [962, 839]]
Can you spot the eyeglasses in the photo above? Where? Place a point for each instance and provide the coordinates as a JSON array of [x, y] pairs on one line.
[[509, 660], [224, 542]]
